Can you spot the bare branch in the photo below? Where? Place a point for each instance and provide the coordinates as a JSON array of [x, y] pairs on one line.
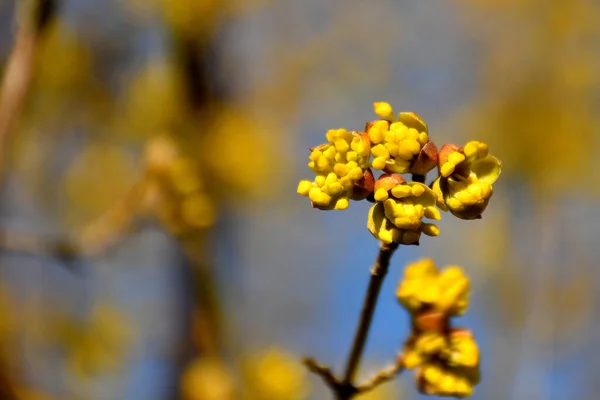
[[386, 374], [323, 371]]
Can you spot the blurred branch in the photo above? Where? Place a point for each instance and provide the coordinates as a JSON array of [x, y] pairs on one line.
[[345, 389], [102, 233], [323, 371], [96, 238], [382, 376], [33, 17]]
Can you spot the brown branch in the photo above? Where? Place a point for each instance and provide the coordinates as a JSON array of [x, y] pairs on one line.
[[345, 389], [378, 273], [323, 371], [35, 18], [382, 376]]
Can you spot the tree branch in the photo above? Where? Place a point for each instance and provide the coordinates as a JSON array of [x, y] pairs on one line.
[[345, 389], [378, 273], [35, 16], [382, 376]]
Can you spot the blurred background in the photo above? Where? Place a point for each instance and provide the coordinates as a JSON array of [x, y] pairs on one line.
[[153, 246]]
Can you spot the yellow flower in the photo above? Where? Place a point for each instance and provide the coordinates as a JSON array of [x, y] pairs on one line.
[[206, 379], [454, 370], [99, 346], [424, 287], [275, 374], [422, 347], [397, 142], [397, 215], [466, 176], [446, 360], [339, 165], [437, 379]]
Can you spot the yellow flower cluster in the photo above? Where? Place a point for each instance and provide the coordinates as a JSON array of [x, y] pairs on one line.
[[207, 379], [339, 165], [466, 175], [397, 142], [99, 346], [397, 145], [452, 370], [182, 202], [446, 359], [275, 374], [397, 215], [424, 287]]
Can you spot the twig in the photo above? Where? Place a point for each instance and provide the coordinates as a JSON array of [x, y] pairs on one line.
[[35, 18], [345, 389], [378, 273], [323, 371], [382, 376]]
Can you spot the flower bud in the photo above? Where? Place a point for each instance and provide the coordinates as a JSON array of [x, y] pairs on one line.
[[465, 179], [426, 160], [364, 187]]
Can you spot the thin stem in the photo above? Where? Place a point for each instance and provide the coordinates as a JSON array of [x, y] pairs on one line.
[[384, 375], [378, 273], [19, 68]]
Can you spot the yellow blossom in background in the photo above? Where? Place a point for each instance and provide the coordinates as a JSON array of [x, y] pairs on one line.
[[397, 215], [396, 143], [99, 177], [466, 176], [195, 18], [207, 379], [153, 102], [275, 374], [425, 287], [240, 155], [339, 165], [180, 197], [98, 346]]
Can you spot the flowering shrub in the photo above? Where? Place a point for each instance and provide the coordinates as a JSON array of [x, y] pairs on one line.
[[445, 358]]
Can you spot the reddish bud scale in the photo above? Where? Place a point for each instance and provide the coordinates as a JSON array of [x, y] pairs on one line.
[[445, 151], [426, 160], [364, 187], [388, 181], [431, 321]]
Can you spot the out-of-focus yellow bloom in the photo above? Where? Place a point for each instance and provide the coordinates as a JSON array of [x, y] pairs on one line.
[[101, 345], [89, 192], [422, 347], [446, 359], [466, 176], [277, 375], [425, 287], [396, 143], [195, 18], [397, 215], [153, 100], [454, 370], [339, 165], [183, 204], [240, 156], [206, 379]]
